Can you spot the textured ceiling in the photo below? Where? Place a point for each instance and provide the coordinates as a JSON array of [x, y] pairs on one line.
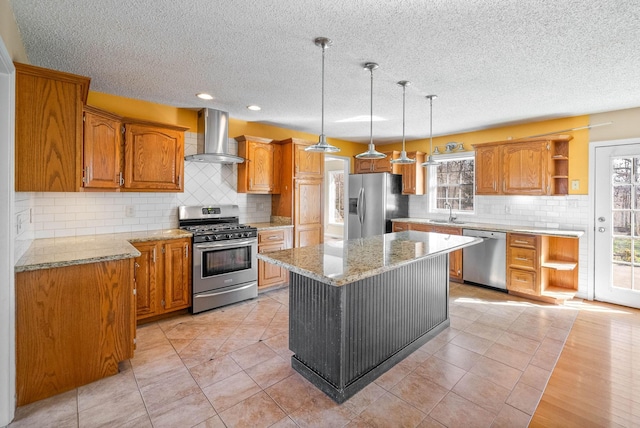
[[491, 62]]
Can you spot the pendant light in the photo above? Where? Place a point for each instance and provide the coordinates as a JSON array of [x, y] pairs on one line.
[[322, 146], [372, 153], [430, 161], [403, 159]]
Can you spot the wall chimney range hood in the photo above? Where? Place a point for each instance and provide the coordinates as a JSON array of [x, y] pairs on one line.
[[213, 138]]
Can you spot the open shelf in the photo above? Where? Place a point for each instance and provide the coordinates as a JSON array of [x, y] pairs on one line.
[[559, 265], [559, 293]]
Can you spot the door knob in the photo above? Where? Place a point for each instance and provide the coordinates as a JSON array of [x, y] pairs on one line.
[[601, 229]]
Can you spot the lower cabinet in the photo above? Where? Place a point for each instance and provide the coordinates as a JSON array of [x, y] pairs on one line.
[[74, 324], [162, 277], [542, 267], [270, 275]]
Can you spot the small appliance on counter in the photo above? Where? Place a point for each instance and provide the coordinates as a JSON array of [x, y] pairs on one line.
[[375, 199], [225, 266]]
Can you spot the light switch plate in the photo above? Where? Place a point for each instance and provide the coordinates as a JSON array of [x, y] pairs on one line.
[[575, 184]]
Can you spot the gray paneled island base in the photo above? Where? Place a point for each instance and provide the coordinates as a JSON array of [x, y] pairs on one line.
[[360, 306]]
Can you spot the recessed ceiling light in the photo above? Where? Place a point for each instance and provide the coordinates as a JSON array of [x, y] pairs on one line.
[[254, 107], [204, 96]]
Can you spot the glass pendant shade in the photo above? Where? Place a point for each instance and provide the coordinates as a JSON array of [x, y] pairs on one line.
[[430, 161], [403, 159], [371, 153], [322, 146]]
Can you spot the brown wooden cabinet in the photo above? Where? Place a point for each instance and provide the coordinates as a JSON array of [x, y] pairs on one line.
[[523, 263], [413, 175], [153, 157], [307, 164], [270, 275], [163, 277], [363, 166], [488, 170], [74, 324], [534, 166], [260, 172], [400, 226], [542, 267], [307, 212], [102, 150], [301, 192], [48, 134]]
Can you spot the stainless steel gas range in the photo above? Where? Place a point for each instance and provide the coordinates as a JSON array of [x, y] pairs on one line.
[[225, 267]]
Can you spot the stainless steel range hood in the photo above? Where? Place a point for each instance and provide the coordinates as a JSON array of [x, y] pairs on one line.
[[213, 138]]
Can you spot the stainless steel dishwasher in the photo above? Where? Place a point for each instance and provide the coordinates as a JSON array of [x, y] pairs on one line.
[[486, 263]]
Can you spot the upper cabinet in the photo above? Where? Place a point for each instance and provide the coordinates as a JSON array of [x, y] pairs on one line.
[[102, 149], [363, 166], [153, 157], [260, 172], [48, 147], [63, 145], [307, 164], [301, 193], [535, 166], [413, 175]]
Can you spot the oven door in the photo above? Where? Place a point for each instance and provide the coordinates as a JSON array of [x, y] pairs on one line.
[[224, 264]]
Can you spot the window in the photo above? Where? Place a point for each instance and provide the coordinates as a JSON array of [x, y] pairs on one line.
[[452, 181], [336, 197]]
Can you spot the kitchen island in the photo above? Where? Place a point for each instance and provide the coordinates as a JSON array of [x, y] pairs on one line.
[[358, 307]]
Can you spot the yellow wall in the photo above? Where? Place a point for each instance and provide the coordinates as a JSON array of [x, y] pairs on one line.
[[129, 107], [578, 155], [138, 109]]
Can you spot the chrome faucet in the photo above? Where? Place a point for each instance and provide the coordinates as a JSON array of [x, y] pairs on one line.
[[451, 216]]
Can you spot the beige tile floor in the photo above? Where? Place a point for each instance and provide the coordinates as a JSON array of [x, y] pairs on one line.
[[231, 368]]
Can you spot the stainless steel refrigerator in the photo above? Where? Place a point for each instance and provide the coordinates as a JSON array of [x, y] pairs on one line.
[[375, 199]]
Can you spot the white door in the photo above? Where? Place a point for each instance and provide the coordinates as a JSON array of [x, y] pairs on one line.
[[617, 224]]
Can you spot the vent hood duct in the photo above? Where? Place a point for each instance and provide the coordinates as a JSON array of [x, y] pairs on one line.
[[213, 138]]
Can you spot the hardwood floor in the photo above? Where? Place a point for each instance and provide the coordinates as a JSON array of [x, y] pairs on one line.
[[596, 381]]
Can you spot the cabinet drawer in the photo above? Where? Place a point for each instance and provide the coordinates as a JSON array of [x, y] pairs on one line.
[[276, 246], [522, 257], [270, 236], [447, 230], [400, 226], [522, 280], [421, 227], [517, 240]]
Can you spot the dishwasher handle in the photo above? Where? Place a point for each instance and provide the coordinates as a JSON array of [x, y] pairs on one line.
[[484, 234]]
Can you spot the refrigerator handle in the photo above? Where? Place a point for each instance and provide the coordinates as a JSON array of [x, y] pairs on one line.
[[363, 204], [359, 205]]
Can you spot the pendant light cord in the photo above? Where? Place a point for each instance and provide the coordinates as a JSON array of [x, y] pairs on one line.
[[404, 93], [322, 104], [371, 101]]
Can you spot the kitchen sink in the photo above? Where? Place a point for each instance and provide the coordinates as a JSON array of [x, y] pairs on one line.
[[446, 221]]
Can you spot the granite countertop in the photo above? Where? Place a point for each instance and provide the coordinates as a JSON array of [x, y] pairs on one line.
[[270, 225], [341, 262], [57, 252], [568, 233]]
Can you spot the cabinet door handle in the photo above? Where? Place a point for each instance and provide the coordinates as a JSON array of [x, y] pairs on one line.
[[154, 255], [186, 251], [517, 241], [524, 259], [273, 238], [121, 179]]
